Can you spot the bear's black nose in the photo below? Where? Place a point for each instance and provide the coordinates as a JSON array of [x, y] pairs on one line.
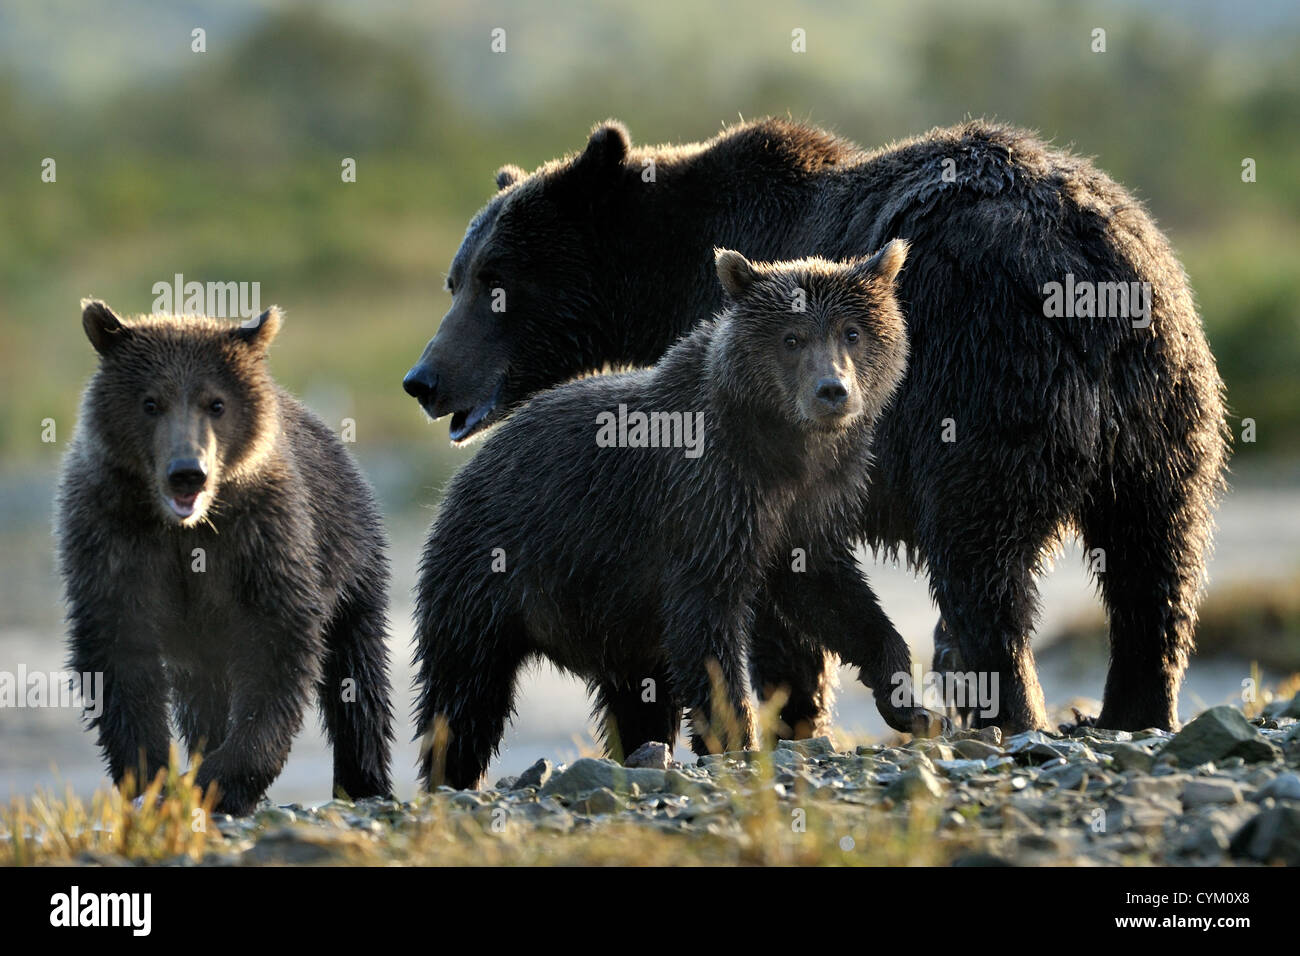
[[421, 383], [831, 392], [186, 475]]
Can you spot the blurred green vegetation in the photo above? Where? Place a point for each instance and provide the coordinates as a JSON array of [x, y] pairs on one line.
[[225, 165], [1257, 621]]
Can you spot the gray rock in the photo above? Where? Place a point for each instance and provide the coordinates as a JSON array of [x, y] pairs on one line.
[[730, 760], [785, 759], [1045, 844], [1151, 733], [273, 816], [100, 858], [913, 760], [506, 783], [1168, 788], [1018, 742], [1132, 757], [547, 813], [681, 784], [981, 859], [1076, 776], [917, 783], [960, 769], [812, 747], [1033, 746], [1217, 734], [932, 749], [1200, 792], [973, 749], [1291, 709], [1131, 813], [1290, 741], [603, 800], [1014, 820], [652, 754], [1209, 838], [588, 773], [1111, 850], [1098, 735], [535, 776], [1282, 787], [304, 845], [1271, 836]]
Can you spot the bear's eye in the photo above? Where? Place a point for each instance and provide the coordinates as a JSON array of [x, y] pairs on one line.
[[216, 407], [150, 407], [851, 335], [792, 341]]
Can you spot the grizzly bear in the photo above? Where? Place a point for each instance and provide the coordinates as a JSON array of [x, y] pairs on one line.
[[1019, 419], [220, 552], [621, 525]]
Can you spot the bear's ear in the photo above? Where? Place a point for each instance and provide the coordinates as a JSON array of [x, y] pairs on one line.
[[884, 265], [104, 329], [258, 331], [607, 148], [508, 175], [735, 272]]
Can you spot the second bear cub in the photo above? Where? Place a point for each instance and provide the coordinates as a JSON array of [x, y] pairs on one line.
[[600, 529]]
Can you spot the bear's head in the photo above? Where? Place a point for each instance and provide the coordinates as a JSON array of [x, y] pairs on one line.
[[525, 284], [816, 343], [182, 405]]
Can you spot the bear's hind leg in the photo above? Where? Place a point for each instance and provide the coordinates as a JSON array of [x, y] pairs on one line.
[[354, 693], [1153, 542], [465, 678], [781, 662]]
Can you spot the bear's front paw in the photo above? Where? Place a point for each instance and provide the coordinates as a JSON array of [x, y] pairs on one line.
[[917, 721], [930, 723], [232, 799]]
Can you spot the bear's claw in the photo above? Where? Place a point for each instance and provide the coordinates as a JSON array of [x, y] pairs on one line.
[[1080, 721]]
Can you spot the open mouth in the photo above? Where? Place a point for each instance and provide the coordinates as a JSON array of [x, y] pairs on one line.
[[466, 422], [183, 506]]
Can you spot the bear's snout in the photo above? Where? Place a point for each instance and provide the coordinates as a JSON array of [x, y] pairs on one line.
[[831, 394], [421, 383], [185, 476]]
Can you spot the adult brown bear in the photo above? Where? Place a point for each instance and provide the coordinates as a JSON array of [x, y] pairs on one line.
[[1025, 411]]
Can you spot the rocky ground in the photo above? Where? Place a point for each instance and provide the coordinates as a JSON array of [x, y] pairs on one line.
[[1225, 790]]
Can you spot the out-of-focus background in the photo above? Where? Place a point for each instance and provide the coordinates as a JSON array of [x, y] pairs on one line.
[[224, 165]]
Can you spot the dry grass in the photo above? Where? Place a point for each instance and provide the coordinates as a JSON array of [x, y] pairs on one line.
[[171, 820], [753, 826]]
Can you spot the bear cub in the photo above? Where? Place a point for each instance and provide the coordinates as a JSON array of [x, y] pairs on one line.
[[621, 526], [221, 554]]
